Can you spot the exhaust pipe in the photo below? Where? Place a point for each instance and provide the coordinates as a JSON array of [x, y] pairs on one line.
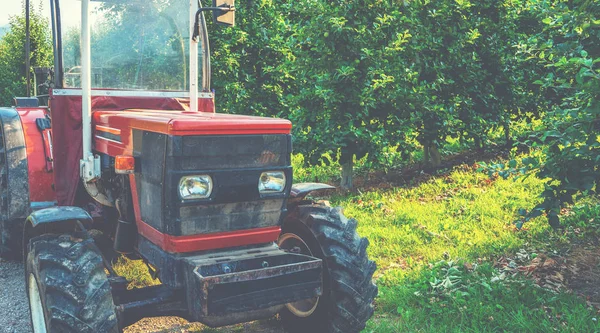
[[89, 171]]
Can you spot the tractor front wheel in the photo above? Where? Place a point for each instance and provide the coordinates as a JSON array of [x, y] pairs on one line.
[[348, 291], [67, 286]]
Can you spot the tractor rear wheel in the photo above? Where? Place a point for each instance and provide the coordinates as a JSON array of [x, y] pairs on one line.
[[348, 291], [67, 286]]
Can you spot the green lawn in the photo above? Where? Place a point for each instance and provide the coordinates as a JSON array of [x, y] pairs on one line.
[[434, 245]]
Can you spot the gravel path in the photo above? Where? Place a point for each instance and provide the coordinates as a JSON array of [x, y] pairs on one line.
[[14, 310]]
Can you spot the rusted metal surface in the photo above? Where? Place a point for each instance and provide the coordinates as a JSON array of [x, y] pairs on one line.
[[254, 281], [133, 305], [226, 287]]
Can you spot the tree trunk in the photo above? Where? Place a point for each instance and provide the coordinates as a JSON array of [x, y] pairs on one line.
[[426, 154], [431, 155], [477, 142], [436, 157], [347, 170], [507, 137]]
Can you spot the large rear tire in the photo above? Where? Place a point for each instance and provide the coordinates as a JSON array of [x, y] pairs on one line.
[[14, 184], [348, 291], [67, 286]]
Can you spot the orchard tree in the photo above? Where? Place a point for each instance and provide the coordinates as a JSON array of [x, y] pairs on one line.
[[331, 47], [249, 61], [569, 49], [12, 54], [566, 54]]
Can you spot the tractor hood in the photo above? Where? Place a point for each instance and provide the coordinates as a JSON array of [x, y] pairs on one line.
[[114, 129], [190, 123]]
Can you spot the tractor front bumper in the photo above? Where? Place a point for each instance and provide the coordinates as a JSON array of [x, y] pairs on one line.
[[237, 286], [223, 287]]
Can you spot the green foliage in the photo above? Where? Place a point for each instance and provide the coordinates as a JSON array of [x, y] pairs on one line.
[[570, 54], [462, 215], [333, 69], [563, 58], [12, 54], [451, 298], [434, 245], [248, 59]]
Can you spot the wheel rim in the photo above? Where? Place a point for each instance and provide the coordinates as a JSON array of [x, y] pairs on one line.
[[295, 244], [35, 305]]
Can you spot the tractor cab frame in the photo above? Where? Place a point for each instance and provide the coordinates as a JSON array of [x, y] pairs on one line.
[[205, 199]]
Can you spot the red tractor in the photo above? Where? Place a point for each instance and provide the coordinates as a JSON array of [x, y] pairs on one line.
[[129, 157]]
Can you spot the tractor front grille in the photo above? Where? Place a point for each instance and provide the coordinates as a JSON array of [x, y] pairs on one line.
[[235, 163], [230, 152]]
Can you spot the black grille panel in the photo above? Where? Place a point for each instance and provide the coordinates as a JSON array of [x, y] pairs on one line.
[[230, 216], [231, 152], [149, 149]]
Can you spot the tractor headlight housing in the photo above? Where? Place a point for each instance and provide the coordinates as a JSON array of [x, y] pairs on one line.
[[271, 182], [195, 187]]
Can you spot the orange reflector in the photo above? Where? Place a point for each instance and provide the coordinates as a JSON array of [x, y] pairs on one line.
[[124, 164]]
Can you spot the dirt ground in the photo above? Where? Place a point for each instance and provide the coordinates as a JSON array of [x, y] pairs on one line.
[[576, 270], [175, 324]]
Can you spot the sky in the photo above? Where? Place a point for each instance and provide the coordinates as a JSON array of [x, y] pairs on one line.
[[15, 7], [70, 10]]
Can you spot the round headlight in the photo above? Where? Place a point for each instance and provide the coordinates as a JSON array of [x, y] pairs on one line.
[[195, 187], [271, 182]]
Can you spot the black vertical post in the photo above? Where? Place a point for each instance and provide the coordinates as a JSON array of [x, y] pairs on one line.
[[58, 70], [27, 51]]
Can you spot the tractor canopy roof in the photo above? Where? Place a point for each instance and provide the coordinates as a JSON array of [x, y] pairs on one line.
[[135, 44]]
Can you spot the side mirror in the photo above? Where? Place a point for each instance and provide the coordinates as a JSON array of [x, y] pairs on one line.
[[226, 16]]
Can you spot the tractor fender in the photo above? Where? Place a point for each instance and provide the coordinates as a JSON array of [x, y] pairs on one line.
[[61, 219], [301, 190], [49, 216]]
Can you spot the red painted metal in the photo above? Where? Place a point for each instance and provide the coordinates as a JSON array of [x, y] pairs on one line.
[[67, 136], [47, 138], [182, 244], [114, 131], [178, 123], [135, 198], [40, 178]]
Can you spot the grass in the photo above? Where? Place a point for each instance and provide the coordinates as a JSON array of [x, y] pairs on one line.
[[451, 298], [425, 239], [462, 215], [136, 272], [435, 243]]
